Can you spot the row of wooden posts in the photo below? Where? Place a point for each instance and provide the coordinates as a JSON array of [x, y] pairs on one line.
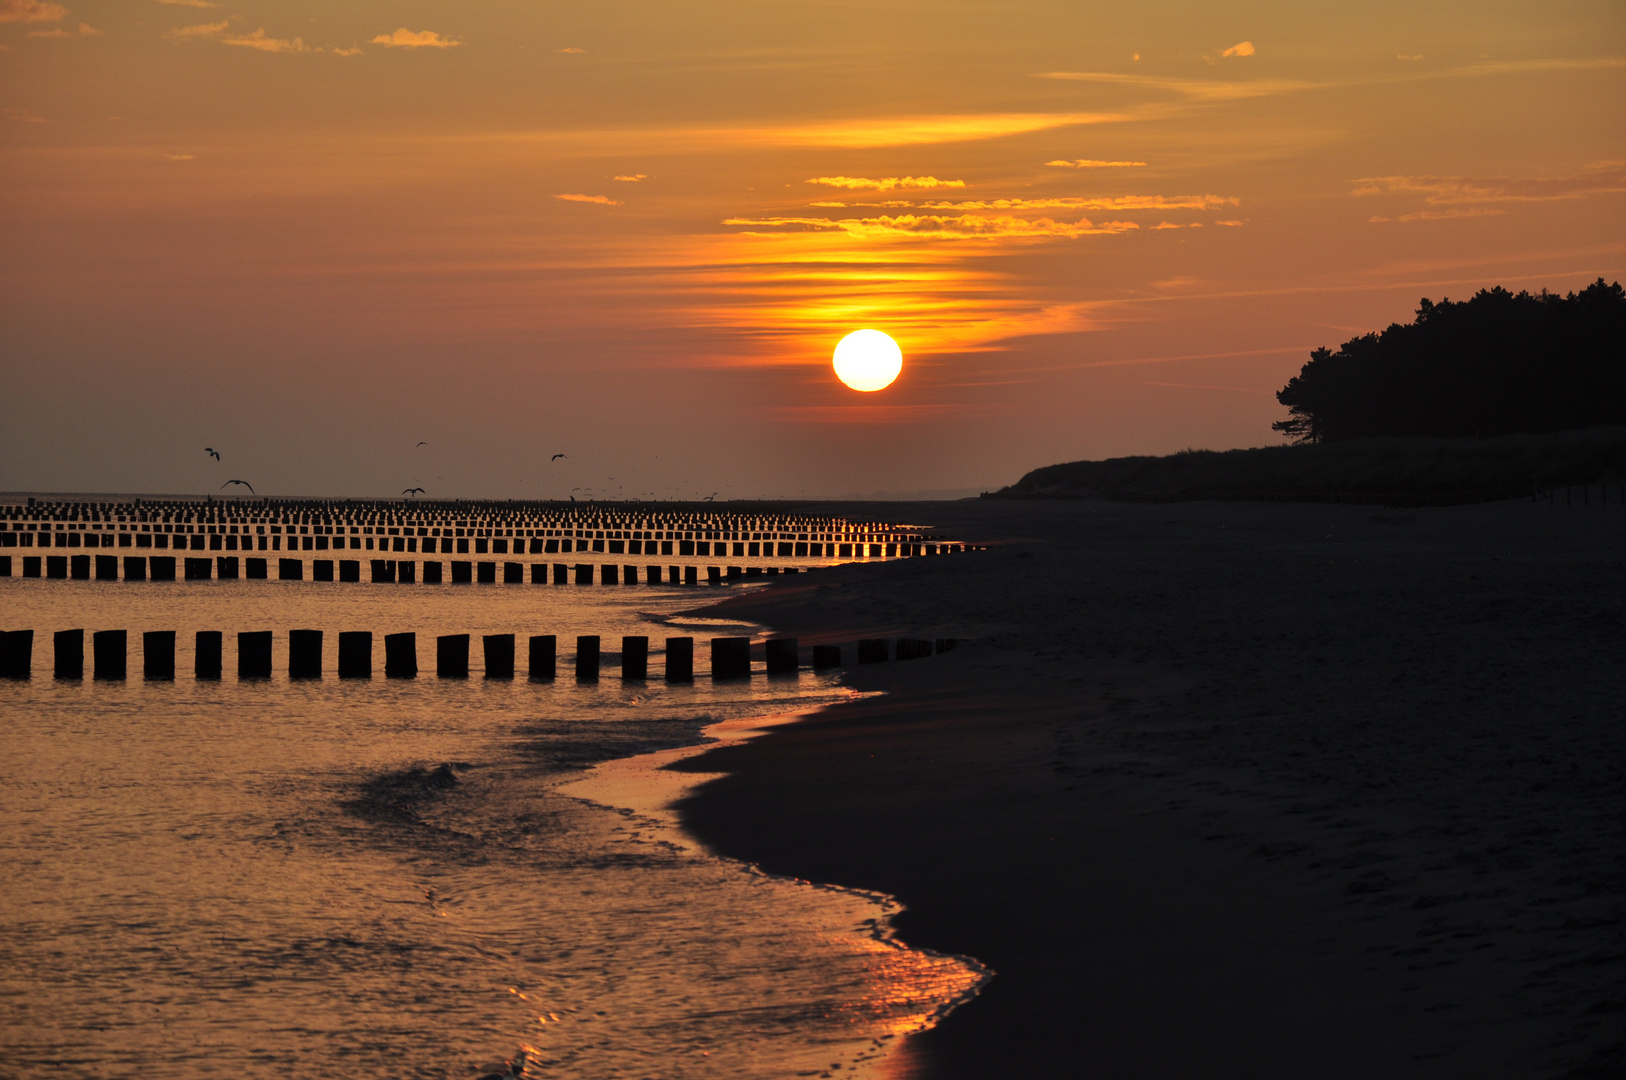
[[730, 656], [404, 571]]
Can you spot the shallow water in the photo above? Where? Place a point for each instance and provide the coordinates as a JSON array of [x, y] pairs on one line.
[[266, 876]]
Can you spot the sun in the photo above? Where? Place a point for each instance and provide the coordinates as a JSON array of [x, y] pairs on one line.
[[868, 360]]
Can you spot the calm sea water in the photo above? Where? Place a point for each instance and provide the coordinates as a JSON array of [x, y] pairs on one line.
[[278, 879]]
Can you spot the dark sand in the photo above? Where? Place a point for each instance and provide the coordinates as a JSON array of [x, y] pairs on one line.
[[1228, 789]]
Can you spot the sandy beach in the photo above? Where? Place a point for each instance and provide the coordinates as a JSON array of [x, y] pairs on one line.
[[1226, 789]]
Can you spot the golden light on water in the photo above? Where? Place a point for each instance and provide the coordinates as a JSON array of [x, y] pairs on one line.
[[868, 360]]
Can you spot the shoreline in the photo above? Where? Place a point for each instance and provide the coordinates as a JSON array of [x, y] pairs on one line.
[[1225, 789], [648, 787]]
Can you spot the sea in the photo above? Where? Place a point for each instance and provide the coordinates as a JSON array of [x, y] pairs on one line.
[[411, 877]]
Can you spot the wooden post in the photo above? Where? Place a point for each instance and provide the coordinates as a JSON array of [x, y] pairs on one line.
[[226, 567], [401, 656], [691, 575], [17, 654], [383, 571], [584, 573], [206, 654], [462, 572], [486, 573], [784, 657], [609, 574], [587, 658], [634, 659], [826, 656], [432, 571], [944, 644], [107, 568], [355, 654], [513, 573], [81, 567], [406, 572], [913, 648], [652, 575], [31, 566], [349, 569], [254, 569], [158, 655], [680, 659], [321, 569], [290, 570], [199, 570], [452, 656], [730, 657], [539, 573], [714, 575], [56, 566], [544, 654], [254, 654], [110, 652], [135, 568], [70, 654], [872, 650], [629, 575], [304, 654], [499, 653], [561, 574]]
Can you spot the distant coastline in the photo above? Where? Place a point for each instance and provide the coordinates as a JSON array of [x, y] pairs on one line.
[[1393, 470]]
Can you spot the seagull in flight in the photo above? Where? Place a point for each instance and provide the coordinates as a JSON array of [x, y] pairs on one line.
[[410, 491], [212, 452], [245, 483], [554, 458], [420, 444]]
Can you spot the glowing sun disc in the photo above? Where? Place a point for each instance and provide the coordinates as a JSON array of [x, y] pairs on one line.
[[868, 360]]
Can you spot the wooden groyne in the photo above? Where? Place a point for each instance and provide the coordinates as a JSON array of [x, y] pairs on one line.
[[303, 655], [454, 528]]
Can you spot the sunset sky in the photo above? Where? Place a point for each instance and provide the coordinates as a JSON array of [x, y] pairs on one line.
[[311, 235]]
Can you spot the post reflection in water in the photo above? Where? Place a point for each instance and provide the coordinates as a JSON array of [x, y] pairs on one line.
[[280, 877]]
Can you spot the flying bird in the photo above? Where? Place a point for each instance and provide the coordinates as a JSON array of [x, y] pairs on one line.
[[245, 483], [710, 497], [410, 491], [212, 452], [420, 444], [554, 458]]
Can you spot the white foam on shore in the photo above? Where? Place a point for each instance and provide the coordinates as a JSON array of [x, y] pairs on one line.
[[645, 788]]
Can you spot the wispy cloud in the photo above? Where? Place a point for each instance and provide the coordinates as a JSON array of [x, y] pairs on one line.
[[1089, 163], [1200, 89], [1241, 48], [572, 49], [939, 227], [85, 30], [27, 11], [415, 39], [1216, 90], [1443, 215], [353, 51], [183, 33], [632, 178], [23, 116], [602, 200], [1122, 202], [860, 183], [1455, 190], [258, 40]]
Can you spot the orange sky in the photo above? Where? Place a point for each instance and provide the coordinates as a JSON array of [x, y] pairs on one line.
[[312, 235]]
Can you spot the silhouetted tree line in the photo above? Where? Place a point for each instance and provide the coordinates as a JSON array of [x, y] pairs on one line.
[[1498, 364]]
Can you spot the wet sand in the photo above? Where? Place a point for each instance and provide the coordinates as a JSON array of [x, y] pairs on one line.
[[1227, 789]]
